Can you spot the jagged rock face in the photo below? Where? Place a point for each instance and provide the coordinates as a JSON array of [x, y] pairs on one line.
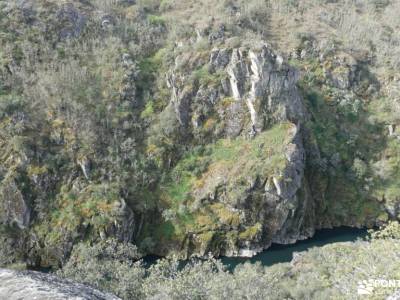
[[261, 177], [268, 86], [74, 21], [123, 227], [33, 285], [254, 95], [255, 89], [181, 97], [14, 209], [274, 207]]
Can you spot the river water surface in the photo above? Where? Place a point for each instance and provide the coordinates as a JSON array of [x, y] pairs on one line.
[[284, 253]]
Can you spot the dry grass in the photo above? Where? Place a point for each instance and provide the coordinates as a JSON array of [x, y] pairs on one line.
[[369, 27]]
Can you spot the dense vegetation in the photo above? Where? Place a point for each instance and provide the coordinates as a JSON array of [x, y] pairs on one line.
[[330, 272], [121, 136]]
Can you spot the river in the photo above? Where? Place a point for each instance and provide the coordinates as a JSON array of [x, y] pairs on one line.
[[279, 253], [284, 253]]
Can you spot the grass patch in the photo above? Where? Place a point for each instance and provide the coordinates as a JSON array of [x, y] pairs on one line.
[[229, 160], [386, 186], [250, 232], [156, 20], [262, 155], [148, 110], [204, 77], [95, 206]]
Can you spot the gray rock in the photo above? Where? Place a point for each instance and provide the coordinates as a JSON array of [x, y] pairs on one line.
[[180, 99], [124, 224], [14, 209], [33, 285], [261, 86], [217, 34], [266, 85], [73, 21], [344, 73], [260, 91], [219, 58]]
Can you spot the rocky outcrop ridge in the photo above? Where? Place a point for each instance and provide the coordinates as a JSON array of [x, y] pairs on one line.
[[253, 97], [266, 84], [33, 285], [248, 89]]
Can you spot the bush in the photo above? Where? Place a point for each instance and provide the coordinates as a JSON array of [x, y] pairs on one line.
[[156, 20], [333, 271], [388, 231], [108, 265]]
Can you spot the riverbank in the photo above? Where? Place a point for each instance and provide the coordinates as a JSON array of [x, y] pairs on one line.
[[284, 253], [278, 253]]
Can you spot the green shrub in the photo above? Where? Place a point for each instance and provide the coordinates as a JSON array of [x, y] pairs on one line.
[[148, 110], [390, 230], [204, 77], [108, 265], [156, 20]]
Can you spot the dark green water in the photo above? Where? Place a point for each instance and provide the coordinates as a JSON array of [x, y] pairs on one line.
[[284, 253]]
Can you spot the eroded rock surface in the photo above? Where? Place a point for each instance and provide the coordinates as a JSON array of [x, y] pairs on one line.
[[259, 195], [14, 209], [33, 285]]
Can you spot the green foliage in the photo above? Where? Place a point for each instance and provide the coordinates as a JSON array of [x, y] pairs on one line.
[[329, 272], [108, 265], [199, 172], [89, 92], [149, 5], [70, 97], [204, 77], [148, 110], [11, 257], [349, 139], [166, 5], [386, 166], [156, 20], [383, 110], [163, 143], [95, 205], [10, 104], [250, 232], [149, 68], [264, 155], [386, 184], [329, 138], [388, 231]]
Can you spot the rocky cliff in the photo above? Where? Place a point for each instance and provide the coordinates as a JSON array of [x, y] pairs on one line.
[[264, 174], [252, 181], [205, 136]]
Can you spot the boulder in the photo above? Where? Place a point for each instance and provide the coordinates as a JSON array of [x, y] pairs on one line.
[[16, 285]]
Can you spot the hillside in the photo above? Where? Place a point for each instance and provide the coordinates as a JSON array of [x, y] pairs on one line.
[[191, 128]]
